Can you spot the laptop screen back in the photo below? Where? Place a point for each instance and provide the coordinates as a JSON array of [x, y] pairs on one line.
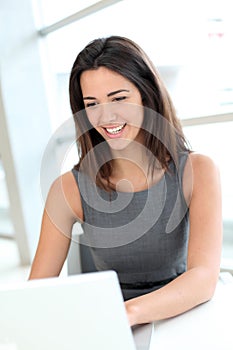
[[78, 312]]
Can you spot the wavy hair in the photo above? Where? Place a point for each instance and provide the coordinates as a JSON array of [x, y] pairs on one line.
[[163, 140]]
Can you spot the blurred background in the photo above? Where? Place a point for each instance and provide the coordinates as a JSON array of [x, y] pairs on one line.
[[190, 43]]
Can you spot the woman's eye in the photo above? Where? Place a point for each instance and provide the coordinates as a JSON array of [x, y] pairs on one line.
[[91, 104], [120, 98]]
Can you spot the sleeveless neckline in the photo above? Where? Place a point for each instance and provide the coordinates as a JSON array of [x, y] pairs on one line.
[[153, 186]]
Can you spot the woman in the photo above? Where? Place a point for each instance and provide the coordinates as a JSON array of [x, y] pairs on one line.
[[150, 208]]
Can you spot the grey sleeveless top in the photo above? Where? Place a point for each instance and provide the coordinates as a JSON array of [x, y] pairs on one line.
[[142, 235]]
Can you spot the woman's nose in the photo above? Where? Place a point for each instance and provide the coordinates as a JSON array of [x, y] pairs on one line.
[[108, 113], [102, 114]]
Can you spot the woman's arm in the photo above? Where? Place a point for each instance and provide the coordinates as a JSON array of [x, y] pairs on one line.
[[62, 209], [197, 284]]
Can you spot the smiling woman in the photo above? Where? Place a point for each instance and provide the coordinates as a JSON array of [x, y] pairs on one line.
[[150, 208], [99, 71]]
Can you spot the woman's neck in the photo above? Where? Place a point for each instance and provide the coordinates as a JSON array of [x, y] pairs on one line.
[[130, 161], [131, 171]]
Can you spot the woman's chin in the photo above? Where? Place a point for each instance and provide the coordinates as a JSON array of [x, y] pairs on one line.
[[118, 144]]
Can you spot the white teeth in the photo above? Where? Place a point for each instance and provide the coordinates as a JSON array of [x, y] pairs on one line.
[[115, 130]]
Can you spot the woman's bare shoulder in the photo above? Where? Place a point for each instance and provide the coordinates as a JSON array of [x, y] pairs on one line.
[[202, 163], [204, 169], [66, 186], [200, 172]]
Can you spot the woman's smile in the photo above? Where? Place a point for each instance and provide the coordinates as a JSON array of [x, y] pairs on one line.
[[114, 131]]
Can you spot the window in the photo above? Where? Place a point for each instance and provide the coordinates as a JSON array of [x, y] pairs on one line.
[[51, 11], [216, 141], [189, 42]]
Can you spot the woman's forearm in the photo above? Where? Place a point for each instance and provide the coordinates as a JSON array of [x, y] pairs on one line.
[[192, 288]]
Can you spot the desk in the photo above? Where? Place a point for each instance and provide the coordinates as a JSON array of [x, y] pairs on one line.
[[206, 327]]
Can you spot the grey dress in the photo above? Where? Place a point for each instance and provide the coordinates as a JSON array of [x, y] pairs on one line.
[[143, 235]]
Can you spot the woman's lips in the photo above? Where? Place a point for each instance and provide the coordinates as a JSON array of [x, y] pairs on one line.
[[114, 131]]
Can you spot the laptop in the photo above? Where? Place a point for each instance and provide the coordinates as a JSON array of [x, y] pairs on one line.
[[82, 312]]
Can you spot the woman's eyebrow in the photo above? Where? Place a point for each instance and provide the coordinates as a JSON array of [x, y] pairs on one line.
[[116, 92], [89, 98], [109, 94]]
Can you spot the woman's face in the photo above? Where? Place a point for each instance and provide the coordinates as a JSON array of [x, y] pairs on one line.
[[113, 106]]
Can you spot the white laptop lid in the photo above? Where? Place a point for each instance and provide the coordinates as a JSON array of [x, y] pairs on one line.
[[78, 312]]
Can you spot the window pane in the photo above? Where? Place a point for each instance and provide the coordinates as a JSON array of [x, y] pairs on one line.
[[51, 11], [192, 50], [216, 141]]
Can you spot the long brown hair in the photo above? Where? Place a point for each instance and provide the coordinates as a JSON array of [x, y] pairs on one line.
[[164, 140]]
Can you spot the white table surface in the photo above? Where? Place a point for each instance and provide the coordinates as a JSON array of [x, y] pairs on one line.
[[207, 327]]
